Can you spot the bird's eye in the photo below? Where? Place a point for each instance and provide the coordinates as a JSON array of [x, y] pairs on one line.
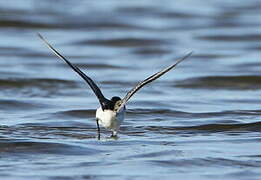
[[117, 105]]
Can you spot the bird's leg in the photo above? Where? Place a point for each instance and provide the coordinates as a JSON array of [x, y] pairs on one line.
[[98, 129]]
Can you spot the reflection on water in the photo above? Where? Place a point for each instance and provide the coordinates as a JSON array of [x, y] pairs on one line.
[[200, 121]]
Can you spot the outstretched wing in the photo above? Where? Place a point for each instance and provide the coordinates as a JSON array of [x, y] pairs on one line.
[[148, 80], [91, 83]]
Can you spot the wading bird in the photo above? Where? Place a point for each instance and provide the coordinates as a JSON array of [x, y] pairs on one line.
[[111, 113]]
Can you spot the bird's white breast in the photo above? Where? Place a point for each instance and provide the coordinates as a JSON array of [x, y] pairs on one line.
[[110, 119]]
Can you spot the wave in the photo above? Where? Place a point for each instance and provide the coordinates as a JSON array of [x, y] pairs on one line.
[[27, 147], [222, 82]]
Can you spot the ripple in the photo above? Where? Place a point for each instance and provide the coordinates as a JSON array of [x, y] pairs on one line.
[[207, 128], [153, 11], [20, 105], [151, 51], [31, 87], [152, 112], [222, 82], [23, 24], [182, 114], [29, 147], [76, 113], [153, 154], [209, 56], [232, 38], [28, 82], [50, 130], [123, 42], [212, 162], [116, 82], [251, 127]]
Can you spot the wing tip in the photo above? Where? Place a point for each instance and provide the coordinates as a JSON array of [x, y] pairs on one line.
[[39, 35], [187, 55], [190, 53], [43, 39], [184, 57]]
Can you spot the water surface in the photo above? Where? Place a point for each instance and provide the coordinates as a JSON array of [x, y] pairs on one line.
[[200, 121]]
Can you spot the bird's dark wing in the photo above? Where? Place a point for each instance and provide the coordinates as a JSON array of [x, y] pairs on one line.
[[103, 101], [148, 80]]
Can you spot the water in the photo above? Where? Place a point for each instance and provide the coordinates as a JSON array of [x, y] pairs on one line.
[[200, 121]]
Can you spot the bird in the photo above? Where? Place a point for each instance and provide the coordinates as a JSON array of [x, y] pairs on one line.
[[111, 112]]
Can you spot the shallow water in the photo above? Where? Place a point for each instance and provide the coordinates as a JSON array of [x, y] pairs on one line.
[[200, 121]]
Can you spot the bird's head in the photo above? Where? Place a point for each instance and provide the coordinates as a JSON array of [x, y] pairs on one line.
[[114, 99], [116, 102]]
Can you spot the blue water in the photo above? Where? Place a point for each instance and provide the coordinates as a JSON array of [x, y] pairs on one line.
[[199, 121]]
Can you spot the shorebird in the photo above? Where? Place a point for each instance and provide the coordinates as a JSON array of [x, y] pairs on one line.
[[111, 112]]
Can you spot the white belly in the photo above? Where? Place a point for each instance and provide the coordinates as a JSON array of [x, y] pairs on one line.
[[110, 119]]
